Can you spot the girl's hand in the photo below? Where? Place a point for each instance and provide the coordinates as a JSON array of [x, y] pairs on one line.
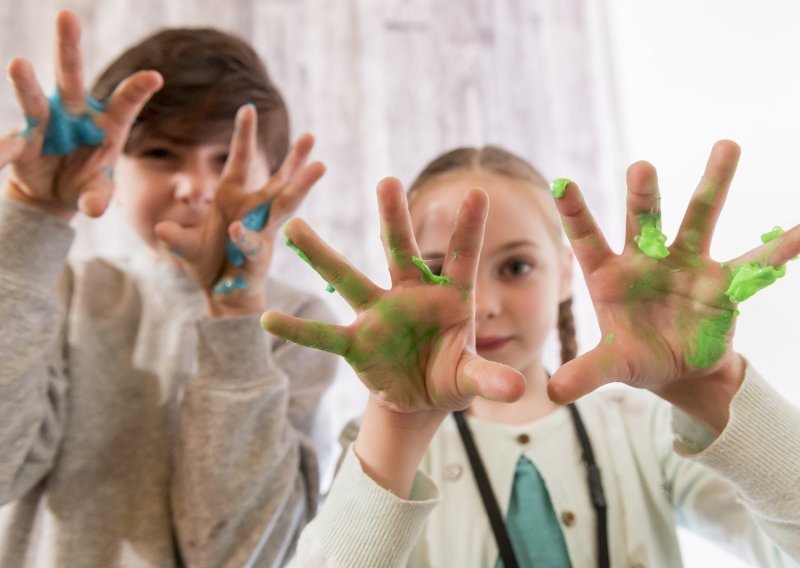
[[667, 321], [411, 345], [81, 178], [240, 287]]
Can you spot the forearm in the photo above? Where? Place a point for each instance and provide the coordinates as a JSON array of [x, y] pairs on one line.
[[390, 445], [245, 480], [32, 381]]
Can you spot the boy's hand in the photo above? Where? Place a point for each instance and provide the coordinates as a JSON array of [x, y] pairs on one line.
[[233, 289], [412, 345], [667, 317], [80, 179]]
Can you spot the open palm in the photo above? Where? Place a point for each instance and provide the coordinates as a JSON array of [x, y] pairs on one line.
[[411, 345], [664, 319]]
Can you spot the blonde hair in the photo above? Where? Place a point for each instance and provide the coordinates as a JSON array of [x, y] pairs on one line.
[[496, 160]]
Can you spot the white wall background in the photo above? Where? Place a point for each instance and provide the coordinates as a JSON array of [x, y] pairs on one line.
[[685, 74], [580, 87]]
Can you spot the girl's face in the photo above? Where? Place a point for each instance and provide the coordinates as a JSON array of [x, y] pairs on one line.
[[524, 272]]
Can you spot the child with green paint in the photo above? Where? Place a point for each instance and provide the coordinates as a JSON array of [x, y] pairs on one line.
[[527, 476], [145, 418]]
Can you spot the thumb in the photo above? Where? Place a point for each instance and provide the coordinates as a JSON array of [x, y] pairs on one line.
[[588, 372], [476, 376]]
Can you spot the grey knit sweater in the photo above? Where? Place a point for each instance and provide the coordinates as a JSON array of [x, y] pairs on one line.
[[133, 430]]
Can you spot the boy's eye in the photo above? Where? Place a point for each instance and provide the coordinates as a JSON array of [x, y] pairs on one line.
[[516, 268], [158, 154], [221, 159]]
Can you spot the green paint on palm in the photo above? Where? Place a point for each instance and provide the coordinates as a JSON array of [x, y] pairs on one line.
[[428, 275], [750, 278], [558, 186], [711, 340], [651, 241], [608, 339], [652, 283]]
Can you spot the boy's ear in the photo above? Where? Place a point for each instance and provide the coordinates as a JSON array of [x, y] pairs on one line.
[[565, 284]]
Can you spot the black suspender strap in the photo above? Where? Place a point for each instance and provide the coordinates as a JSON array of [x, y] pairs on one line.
[[595, 487], [596, 492], [489, 501]]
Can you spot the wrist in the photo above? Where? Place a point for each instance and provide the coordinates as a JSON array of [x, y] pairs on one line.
[[390, 444], [12, 192], [707, 399]]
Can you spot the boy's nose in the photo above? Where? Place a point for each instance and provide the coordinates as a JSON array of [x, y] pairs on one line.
[[195, 188]]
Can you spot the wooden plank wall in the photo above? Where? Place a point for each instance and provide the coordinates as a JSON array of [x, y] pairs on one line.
[[385, 85]]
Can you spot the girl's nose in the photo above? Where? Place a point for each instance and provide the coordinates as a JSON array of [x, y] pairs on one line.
[[487, 302]]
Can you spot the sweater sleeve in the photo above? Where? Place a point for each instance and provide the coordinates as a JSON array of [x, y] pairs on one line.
[[245, 473], [743, 488], [362, 525], [33, 374]]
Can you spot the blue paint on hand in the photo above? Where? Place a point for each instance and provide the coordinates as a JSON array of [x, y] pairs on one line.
[[253, 221], [227, 285], [30, 124], [67, 132]]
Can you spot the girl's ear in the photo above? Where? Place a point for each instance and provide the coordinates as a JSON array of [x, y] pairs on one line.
[[565, 284]]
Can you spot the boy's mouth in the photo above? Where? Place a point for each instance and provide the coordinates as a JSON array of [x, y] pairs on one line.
[[491, 343]]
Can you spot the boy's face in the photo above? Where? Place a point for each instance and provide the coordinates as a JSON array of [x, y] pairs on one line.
[[164, 181]]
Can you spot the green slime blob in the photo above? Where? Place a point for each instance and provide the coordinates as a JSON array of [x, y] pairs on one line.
[[558, 186], [712, 340], [651, 240], [750, 278], [428, 275], [774, 233]]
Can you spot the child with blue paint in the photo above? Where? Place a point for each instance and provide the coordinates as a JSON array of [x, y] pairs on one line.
[[145, 418], [452, 355]]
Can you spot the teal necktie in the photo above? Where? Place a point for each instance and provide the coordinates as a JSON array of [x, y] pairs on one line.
[[532, 523]]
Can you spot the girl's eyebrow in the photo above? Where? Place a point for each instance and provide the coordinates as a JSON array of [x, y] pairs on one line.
[[516, 244]]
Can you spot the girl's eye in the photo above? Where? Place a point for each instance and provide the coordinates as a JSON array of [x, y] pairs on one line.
[[435, 266], [516, 268], [221, 159]]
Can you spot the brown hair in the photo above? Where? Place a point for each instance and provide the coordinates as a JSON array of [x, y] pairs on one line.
[[496, 160], [208, 74]]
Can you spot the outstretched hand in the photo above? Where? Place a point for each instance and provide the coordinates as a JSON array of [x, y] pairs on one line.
[[666, 314], [238, 286], [62, 181], [411, 345]]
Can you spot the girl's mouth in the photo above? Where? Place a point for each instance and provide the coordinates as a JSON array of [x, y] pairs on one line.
[[491, 343]]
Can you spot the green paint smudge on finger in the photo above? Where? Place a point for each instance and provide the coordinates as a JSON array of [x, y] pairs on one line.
[[774, 233], [298, 251], [558, 186], [428, 275], [751, 278], [609, 338], [651, 241]]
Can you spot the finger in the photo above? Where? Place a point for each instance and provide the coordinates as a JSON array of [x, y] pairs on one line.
[[295, 159], [29, 94], [775, 252], [588, 242], [493, 381], [288, 199], [461, 263], [397, 233], [11, 146], [643, 221], [315, 334], [582, 375], [700, 219], [126, 103], [95, 197], [248, 242], [243, 146], [69, 62], [352, 285]]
